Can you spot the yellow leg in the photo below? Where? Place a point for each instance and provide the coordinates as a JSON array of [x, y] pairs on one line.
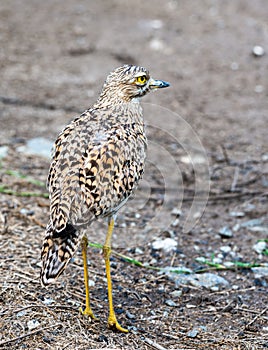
[[87, 311], [112, 321]]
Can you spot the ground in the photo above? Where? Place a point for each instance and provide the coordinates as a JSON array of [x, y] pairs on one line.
[[208, 128]]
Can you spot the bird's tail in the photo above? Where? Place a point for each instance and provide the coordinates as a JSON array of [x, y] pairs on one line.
[[58, 248]]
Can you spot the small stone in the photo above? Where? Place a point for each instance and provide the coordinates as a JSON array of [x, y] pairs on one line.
[[156, 44], [32, 324], [3, 151], [138, 251], [206, 280], [251, 223], [201, 259], [175, 222], [259, 247], [264, 157], [225, 249], [237, 214], [228, 264], [156, 24], [130, 316], [236, 227], [225, 232], [176, 212], [217, 260], [37, 146], [262, 229], [234, 66], [258, 51], [25, 211], [21, 313], [259, 89], [47, 340], [91, 283], [170, 303], [260, 271], [167, 244], [102, 338], [176, 293], [193, 333], [48, 301]]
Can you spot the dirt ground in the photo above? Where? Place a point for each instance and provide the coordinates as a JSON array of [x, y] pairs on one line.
[[208, 128]]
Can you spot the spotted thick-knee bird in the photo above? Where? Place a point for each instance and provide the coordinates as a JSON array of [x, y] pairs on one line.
[[98, 161]]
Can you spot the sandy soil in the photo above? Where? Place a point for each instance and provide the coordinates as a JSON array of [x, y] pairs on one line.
[[208, 128]]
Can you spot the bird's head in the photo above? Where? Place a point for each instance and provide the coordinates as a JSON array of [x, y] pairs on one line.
[[129, 82]]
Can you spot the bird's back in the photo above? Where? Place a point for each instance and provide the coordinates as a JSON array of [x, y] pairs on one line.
[[98, 160]]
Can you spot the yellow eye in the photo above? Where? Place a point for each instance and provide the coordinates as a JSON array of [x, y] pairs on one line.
[[141, 80]]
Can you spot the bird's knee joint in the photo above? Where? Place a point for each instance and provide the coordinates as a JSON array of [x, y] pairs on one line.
[[106, 251]]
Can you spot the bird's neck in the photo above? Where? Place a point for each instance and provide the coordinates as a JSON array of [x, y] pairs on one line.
[[124, 110]]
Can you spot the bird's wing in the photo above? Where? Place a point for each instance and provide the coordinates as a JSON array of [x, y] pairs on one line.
[[95, 168]]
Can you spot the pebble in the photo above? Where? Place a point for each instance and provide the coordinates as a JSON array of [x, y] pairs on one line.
[[138, 251], [91, 283], [130, 316], [176, 212], [3, 151], [193, 333], [252, 223], [234, 66], [225, 249], [259, 89], [48, 301], [193, 159], [236, 227], [25, 211], [228, 264], [37, 146], [261, 271], [235, 287], [156, 44], [225, 232], [21, 313], [32, 324], [237, 214], [264, 157], [206, 280], [156, 24], [167, 244], [258, 51], [175, 222], [259, 247], [263, 229], [170, 303], [217, 260], [176, 293]]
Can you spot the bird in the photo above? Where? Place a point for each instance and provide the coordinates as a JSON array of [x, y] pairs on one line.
[[97, 162]]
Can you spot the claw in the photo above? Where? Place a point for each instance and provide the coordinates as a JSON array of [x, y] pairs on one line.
[[88, 312], [113, 324]]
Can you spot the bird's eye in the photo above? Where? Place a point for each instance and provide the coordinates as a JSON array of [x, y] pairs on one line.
[[141, 80]]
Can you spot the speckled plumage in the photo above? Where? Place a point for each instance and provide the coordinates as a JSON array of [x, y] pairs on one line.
[[98, 161]]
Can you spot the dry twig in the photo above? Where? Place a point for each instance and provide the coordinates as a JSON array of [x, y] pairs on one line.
[[29, 334]]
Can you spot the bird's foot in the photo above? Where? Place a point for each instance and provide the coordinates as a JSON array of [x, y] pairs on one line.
[[113, 324], [88, 312]]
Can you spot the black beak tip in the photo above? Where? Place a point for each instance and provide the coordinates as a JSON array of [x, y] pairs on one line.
[[165, 84]]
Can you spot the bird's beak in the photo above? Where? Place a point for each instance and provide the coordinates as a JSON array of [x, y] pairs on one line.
[[157, 84]]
